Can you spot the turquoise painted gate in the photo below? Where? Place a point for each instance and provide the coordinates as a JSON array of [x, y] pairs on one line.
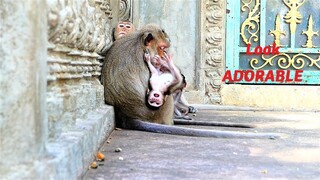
[[294, 25]]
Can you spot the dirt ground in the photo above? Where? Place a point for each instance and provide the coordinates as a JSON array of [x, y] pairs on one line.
[[144, 155]]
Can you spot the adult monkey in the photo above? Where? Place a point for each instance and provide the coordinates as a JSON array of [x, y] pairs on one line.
[[125, 76], [181, 106]]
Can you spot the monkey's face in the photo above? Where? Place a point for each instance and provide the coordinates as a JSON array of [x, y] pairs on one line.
[[162, 48], [155, 98], [157, 43], [123, 28]]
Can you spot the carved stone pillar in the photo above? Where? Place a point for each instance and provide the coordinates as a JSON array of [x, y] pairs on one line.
[[53, 117], [78, 30], [77, 115], [212, 51], [125, 10]]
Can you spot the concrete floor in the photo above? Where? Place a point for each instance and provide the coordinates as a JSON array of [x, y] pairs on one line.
[[147, 155]]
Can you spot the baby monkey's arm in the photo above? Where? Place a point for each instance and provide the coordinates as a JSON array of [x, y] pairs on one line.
[[153, 70], [173, 69]]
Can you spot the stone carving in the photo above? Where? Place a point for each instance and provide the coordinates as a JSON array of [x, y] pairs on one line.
[[60, 68], [105, 7], [125, 10], [214, 49], [80, 25], [78, 30]]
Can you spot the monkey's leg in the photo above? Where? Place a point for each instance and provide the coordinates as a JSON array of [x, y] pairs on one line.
[[176, 111], [183, 100], [180, 110], [136, 124], [212, 123], [178, 114]]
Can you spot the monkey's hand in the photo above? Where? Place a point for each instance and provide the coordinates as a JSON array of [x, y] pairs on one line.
[[157, 59], [168, 58], [147, 57]]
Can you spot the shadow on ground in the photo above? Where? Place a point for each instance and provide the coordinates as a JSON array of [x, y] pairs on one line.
[[147, 155]]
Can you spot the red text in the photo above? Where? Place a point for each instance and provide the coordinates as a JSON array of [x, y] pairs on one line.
[[263, 76], [274, 49]]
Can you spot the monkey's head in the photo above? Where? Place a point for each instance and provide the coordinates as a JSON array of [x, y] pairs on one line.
[[123, 28], [155, 40], [155, 98]]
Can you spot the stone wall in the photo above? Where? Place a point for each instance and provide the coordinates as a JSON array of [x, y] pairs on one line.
[[52, 113], [22, 82]]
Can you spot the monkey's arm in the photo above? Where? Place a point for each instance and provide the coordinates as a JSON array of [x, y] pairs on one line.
[[177, 113], [179, 105], [152, 69], [180, 110], [177, 95], [175, 73]]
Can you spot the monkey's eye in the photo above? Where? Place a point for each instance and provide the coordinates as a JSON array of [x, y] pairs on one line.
[[163, 49], [121, 25], [128, 26]]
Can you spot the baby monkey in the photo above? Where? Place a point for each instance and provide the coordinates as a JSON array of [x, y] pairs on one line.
[[164, 76], [181, 106]]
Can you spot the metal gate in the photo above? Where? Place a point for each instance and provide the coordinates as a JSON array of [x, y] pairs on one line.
[[255, 26]]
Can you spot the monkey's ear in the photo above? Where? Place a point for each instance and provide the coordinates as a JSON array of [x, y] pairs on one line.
[[148, 38], [113, 36]]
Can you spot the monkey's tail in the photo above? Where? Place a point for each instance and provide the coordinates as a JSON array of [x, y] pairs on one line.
[[211, 123], [174, 130]]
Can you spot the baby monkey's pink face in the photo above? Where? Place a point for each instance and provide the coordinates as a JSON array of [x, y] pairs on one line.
[[155, 98]]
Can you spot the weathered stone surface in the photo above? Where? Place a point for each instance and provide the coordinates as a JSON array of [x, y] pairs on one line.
[[71, 100], [161, 156], [22, 81], [52, 112], [74, 150], [78, 120], [69, 155]]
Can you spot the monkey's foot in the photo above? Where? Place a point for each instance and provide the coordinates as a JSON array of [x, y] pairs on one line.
[[192, 109], [183, 117]]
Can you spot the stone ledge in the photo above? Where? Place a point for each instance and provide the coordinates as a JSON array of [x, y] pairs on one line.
[[69, 155], [277, 97]]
